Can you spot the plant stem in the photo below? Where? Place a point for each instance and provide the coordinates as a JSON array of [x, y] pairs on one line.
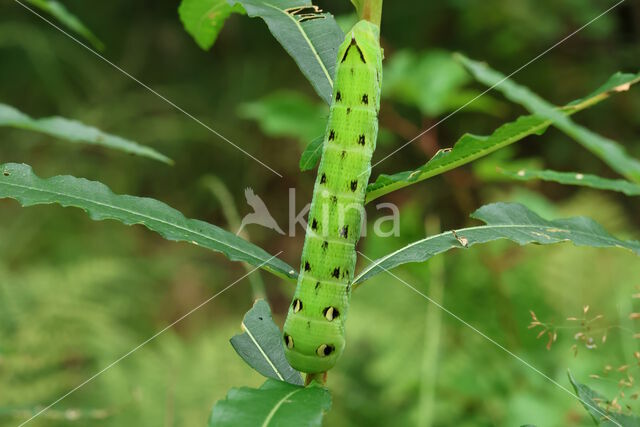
[[371, 10], [320, 378], [221, 192], [433, 329]]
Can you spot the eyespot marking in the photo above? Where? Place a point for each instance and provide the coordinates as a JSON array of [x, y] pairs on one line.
[[344, 232], [297, 305], [288, 341], [361, 139], [324, 350], [307, 266], [323, 179], [332, 135], [336, 273], [330, 313], [354, 185], [365, 99]]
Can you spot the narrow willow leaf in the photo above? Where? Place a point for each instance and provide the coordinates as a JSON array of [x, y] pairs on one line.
[[275, 403], [260, 345], [600, 414], [60, 12], [17, 181], [471, 147], [309, 35], [511, 221], [609, 151], [75, 131], [203, 19], [311, 155], [575, 178]]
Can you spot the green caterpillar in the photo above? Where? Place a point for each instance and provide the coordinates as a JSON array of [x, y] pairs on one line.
[[314, 330]]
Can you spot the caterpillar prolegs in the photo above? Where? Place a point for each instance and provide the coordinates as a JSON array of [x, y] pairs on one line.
[[314, 330]]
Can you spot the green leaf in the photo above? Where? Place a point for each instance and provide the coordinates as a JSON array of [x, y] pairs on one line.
[[575, 178], [203, 19], [260, 345], [75, 131], [430, 81], [275, 403], [471, 147], [310, 36], [590, 399], [17, 181], [60, 12], [287, 114], [511, 221], [609, 151], [311, 155]]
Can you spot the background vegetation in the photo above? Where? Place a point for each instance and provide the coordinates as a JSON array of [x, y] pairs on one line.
[[76, 294]]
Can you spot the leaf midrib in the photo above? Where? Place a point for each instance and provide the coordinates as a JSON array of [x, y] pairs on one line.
[[376, 263], [273, 411], [378, 192], [255, 342], [130, 212]]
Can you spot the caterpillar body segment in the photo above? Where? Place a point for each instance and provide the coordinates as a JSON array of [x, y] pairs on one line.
[[314, 331]]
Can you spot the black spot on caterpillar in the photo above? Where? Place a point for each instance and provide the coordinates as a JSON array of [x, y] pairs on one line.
[[354, 185], [348, 110], [297, 305], [365, 99], [361, 140], [338, 96], [307, 266], [314, 224], [343, 154], [323, 179], [344, 232], [332, 135], [325, 245], [336, 273]]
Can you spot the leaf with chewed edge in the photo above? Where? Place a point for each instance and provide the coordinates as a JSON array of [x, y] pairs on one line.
[[308, 34]]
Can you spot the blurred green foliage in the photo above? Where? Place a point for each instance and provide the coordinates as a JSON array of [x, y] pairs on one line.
[[75, 295]]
